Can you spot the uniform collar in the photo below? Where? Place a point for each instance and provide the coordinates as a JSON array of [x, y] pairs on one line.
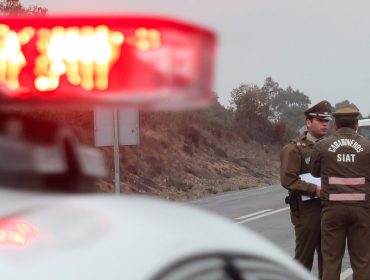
[[303, 137], [346, 130], [311, 138]]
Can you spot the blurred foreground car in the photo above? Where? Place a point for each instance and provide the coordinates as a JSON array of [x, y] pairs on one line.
[[50, 228], [103, 237]]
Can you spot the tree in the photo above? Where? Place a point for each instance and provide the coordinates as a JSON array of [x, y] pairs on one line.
[[218, 112], [288, 106], [252, 111], [269, 106], [345, 102], [249, 101], [15, 8], [270, 89], [335, 108]]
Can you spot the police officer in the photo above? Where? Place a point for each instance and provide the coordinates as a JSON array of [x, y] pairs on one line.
[[305, 213], [343, 162]]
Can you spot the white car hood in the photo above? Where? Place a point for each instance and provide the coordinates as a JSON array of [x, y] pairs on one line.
[[106, 237]]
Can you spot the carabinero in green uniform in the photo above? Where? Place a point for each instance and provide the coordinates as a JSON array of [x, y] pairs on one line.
[[305, 207], [343, 162]]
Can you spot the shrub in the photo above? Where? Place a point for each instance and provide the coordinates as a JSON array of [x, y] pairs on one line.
[[155, 166], [190, 132], [190, 171], [219, 152], [187, 149], [179, 184]]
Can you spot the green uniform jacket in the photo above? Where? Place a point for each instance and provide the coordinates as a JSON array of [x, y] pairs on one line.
[[343, 163], [294, 160]]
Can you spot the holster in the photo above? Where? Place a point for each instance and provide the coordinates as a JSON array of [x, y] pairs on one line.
[[292, 200]]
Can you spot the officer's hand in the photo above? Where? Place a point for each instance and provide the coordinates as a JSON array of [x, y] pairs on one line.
[[318, 191]]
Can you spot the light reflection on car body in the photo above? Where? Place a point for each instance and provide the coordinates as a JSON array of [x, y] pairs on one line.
[[16, 232]]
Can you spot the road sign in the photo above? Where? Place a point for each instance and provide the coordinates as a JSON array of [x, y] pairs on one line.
[[104, 125], [115, 127]]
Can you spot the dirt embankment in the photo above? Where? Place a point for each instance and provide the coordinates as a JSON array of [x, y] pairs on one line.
[[190, 161], [182, 155]]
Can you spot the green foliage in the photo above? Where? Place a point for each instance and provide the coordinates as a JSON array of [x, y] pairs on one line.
[[271, 87], [289, 98], [15, 8], [345, 102], [335, 108], [190, 133], [289, 106], [249, 101], [269, 113], [251, 110], [179, 184], [226, 175], [219, 152], [215, 114]]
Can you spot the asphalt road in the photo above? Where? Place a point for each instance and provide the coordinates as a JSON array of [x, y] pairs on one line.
[[264, 211]]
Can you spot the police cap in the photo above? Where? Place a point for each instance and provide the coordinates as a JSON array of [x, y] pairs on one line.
[[320, 111], [346, 112]]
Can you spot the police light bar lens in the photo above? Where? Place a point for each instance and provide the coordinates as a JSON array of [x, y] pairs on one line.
[[116, 59], [84, 55]]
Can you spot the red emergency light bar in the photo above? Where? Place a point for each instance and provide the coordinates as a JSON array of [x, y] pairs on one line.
[[148, 62]]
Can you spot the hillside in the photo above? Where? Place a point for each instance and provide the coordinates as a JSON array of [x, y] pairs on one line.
[[183, 156], [186, 160]]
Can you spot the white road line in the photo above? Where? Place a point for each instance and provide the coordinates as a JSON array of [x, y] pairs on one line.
[[261, 188], [220, 195], [253, 214], [345, 274], [263, 215]]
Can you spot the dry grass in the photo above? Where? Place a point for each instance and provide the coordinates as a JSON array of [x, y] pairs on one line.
[[182, 155], [212, 163]]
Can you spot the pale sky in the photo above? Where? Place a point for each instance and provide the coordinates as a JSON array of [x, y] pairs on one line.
[[320, 47]]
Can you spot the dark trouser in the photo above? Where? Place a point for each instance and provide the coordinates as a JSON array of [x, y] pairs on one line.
[[308, 234], [338, 222]]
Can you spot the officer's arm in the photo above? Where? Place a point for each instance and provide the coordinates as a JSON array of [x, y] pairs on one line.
[[290, 168], [315, 162]]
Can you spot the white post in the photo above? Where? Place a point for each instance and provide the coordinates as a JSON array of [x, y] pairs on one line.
[[116, 152]]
